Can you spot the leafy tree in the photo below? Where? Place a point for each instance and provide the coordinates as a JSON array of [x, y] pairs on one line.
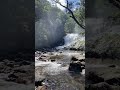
[[49, 27]]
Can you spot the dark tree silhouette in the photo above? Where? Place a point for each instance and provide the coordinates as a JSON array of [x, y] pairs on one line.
[[115, 3]]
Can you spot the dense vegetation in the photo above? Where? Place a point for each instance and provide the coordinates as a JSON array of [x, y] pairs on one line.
[[52, 24]]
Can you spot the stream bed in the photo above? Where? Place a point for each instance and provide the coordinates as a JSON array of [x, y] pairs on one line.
[[51, 68]]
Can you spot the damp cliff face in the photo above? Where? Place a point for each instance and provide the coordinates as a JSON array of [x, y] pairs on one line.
[[16, 29]]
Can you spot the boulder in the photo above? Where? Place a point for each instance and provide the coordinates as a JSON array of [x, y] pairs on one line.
[[41, 88], [75, 67], [52, 60], [99, 86], [93, 78], [112, 66], [113, 81], [74, 59], [38, 83]]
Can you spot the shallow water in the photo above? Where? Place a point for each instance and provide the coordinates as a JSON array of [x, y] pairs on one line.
[[56, 74]]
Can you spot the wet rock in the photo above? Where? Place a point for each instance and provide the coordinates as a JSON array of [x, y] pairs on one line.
[[21, 75], [93, 78], [45, 60], [113, 81], [82, 60], [12, 77], [5, 69], [74, 49], [74, 59], [60, 52], [40, 58], [99, 86], [2, 66], [53, 60], [39, 83], [51, 53], [11, 64], [75, 67], [20, 70], [37, 52], [17, 59], [25, 62], [19, 78], [43, 55], [41, 88], [83, 67], [82, 63], [112, 66]]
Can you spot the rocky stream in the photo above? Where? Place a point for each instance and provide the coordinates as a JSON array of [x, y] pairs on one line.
[[62, 68]]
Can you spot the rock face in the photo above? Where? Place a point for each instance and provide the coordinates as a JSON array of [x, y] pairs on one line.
[[41, 88], [20, 75], [18, 70], [95, 82], [93, 78], [113, 81], [39, 83], [112, 66], [76, 65], [99, 86]]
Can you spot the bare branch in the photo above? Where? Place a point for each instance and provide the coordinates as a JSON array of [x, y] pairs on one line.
[[115, 3], [72, 14]]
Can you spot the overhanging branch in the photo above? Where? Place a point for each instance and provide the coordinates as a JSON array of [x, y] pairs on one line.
[[115, 3], [72, 14]]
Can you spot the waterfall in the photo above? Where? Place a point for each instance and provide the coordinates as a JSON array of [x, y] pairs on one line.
[[71, 39]]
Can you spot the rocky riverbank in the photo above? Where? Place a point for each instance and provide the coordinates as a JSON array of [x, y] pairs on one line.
[[17, 70], [102, 74], [59, 70]]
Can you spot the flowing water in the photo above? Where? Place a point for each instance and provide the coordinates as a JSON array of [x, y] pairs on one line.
[[55, 73], [70, 40]]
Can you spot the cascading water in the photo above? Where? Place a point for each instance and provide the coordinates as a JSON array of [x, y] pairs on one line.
[[70, 40]]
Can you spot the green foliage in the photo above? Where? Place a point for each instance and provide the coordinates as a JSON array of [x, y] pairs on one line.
[[69, 25], [79, 13], [41, 8], [52, 23], [49, 27]]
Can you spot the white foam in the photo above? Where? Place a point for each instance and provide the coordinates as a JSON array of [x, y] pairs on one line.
[[83, 72], [70, 39]]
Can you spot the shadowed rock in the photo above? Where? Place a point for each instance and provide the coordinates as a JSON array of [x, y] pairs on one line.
[[113, 81], [39, 83], [99, 86], [74, 59], [112, 66], [75, 67], [93, 78]]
